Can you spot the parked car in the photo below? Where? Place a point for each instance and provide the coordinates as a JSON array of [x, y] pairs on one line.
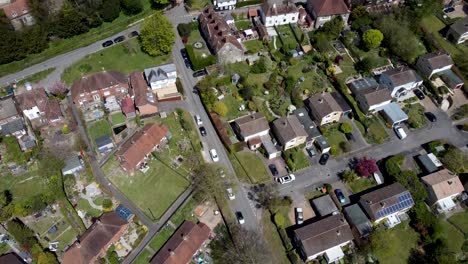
[[349, 136], [202, 131], [185, 56], [133, 34], [230, 194], [311, 151], [324, 158], [400, 132], [240, 218], [214, 155], [340, 196], [273, 169], [299, 216], [199, 73], [107, 43], [286, 179], [431, 116], [119, 39], [419, 94], [198, 120]]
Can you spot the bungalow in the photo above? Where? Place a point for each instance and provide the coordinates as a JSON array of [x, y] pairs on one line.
[[289, 132], [18, 12], [326, 107], [372, 100], [324, 238], [400, 81], [162, 80], [458, 31], [72, 165], [11, 122], [358, 220], [142, 94], [387, 204], [309, 126], [433, 63], [279, 14], [38, 108], [323, 11], [442, 187], [94, 243], [104, 144], [135, 150], [251, 127], [183, 244]]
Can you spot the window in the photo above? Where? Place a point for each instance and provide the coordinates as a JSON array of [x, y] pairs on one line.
[[96, 97]]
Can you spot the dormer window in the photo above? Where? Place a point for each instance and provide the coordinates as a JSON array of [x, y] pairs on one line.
[[14, 14]]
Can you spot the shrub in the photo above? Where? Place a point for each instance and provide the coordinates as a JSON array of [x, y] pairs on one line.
[[328, 187], [199, 63], [107, 204], [279, 220], [345, 146], [220, 108], [346, 127], [333, 150], [349, 176], [184, 29], [366, 166]]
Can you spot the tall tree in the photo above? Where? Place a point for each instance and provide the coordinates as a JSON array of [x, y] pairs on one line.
[[206, 182], [47, 258], [456, 160], [372, 38], [157, 35], [110, 10], [366, 166], [131, 7]]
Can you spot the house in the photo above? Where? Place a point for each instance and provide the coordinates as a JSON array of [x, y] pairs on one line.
[[104, 144], [73, 164], [433, 63], [309, 126], [95, 241], [358, 220], [289, 132], [325, 108], [393, 114], [183, 244], [11, 258], [134, 151], [128, 108], [400, 81], [27, 142], [276, 14], [142, 95], [323, 11], [91, 91], [251, 127], [372, 100], [387, 204], [429, 162], [458, 31], [324, 206], [442, 188], [18, 12], [322, 144], [38, 108], [220, 37], [162, 80], [324, 238], [11, 122], [224, 4], [272, 151]]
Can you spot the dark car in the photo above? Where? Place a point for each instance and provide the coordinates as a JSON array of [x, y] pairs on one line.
[[240, 218], [199, 73], [324, 158], [340, 196], [349, 136], [133, 34], [273, 169], [419, 94], [107, 43], [311, 151], [430, 116], [202, 131], [119, 39]]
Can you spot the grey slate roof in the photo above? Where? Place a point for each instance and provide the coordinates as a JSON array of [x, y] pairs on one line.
[[402, 76], [363, 84], [322, 142], [7, 108], [324, 205], [438, 60], [12, 126], [159, 73], [72, 163], [102, 141], [288, 128], [309, 126], [385, 196], [460, 26], [357, 218]]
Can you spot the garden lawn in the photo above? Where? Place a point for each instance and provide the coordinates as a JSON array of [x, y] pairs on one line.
[[335, 137], [313, 81], [43, 224], [347, 66], [361, 184], [98, 129], [154, 191], [401, 239], [253, 167], [160, 239], [416, 117], [4, 248], [124, 57], [233, 107], [13, 151], [118, 118], [286, 37], [198, 4], [460, 220], [376, 133], [83, 205], [185, 212], [273, 239], [144, 257], [243, 24], [453, 237], [23, 187], [434, 25], [296, 158], [253, 46]]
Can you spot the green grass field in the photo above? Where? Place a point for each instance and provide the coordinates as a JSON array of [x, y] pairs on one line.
[[253, 46], [36, 77], [23, 187], [253, 166], [376, 133], [453, 237], [83, 205], [144, 257], [434, 25], [98, 129], [313, 81], [286, 36], [361, 184], [117, 118], [273, 239], [13, 151], [161, 238], [416, 118], [298, 158], [243, 24], [401, 240], [460, 220], [125, 57]]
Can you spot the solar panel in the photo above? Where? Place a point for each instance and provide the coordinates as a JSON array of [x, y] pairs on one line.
[[405, 201]]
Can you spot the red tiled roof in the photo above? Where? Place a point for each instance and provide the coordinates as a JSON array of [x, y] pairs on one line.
[[141, 144], [97, 81], [140, 89], [29, 99], [127, 105], [185, 242], [329, 7], [16, 9], [53, 111], [252, 13]]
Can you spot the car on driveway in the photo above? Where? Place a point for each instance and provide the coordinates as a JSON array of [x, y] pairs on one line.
[[273, 169], [214, 155], [311, 151], [419, 94], [107, 43], [349, 136], [286, 179], [230, 194], [133, 34], [431, 117], [340, 196], [324, 158], [202, 131], [240, 218], [299, 216], [119, 39], [400, 132]]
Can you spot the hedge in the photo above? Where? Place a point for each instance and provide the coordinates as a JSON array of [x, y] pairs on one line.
[[352, 103], [199, 63], [249, 2]]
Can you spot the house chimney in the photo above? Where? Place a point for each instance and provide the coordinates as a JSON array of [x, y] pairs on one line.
[[274, 6], [171, 252], [320, 100], [338, 233], [78, 244], [382, 204]]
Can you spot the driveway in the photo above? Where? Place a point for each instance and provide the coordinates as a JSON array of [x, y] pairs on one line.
[[344, 189], [280, 166]]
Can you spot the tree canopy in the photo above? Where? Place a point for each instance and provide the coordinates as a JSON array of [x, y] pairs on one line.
[[372, 38], [220, 108], [157, 35], [110, 10], [131, 7]]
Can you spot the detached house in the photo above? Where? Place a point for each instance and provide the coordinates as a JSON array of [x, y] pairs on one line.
[[134, 151], [289, 132], [326, 107], [458, 31], [220, 37], [18, 12], [251, 128], [324, 238], [11, 122], [370, 95], [441, 64], [279, 14], [38, 108], [323, 11], [387, 204], [145, 101], [162, 80], [400, 81], [92, 91], [442, 187], [224, 4]]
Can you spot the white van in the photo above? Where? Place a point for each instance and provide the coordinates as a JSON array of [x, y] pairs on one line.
[[400, 132]]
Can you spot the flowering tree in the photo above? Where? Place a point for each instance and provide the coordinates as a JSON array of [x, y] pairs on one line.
[[59, 89], [366, 166]]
